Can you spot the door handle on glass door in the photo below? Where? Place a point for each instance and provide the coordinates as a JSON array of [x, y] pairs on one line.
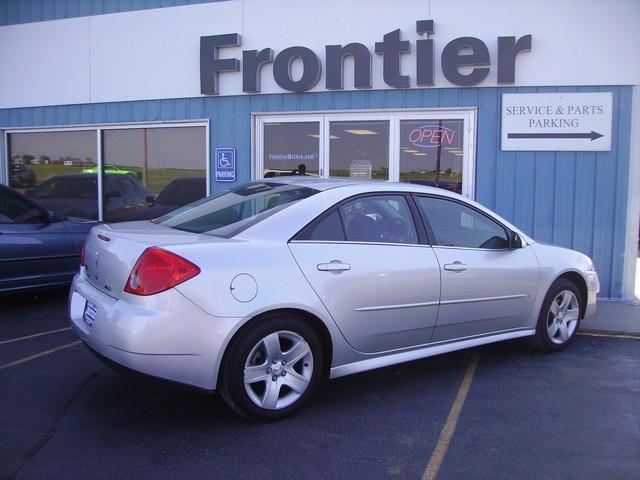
[[334, 266], [456, 267]]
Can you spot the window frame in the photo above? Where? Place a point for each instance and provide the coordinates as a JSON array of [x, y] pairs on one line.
[[431, 232], [98, 128], [5, 168], [393, 116]]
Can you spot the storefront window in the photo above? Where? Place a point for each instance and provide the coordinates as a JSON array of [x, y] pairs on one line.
[[427, 147], [431, 153], [359, 149], [53, 168], [151, 171], [291, 149], [147, 170]]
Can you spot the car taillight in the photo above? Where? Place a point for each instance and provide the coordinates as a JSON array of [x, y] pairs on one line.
[[158, 270]]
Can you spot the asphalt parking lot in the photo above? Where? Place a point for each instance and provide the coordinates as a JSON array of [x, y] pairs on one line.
[[526, 415]]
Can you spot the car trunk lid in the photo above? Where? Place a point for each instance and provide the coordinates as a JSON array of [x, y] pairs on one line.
[[112, 250]]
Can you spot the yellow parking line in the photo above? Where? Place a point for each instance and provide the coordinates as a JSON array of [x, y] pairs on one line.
[[11, 340], [630, 336], [38, 355], [452, 421]]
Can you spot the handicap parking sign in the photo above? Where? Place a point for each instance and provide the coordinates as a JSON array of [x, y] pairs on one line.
[[225, 164]]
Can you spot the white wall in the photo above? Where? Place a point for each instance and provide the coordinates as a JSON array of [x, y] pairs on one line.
[[151, 54]]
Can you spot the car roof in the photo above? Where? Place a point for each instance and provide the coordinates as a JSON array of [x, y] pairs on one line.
[[323, 184], [76, 175], [79, 176], [193, 179]]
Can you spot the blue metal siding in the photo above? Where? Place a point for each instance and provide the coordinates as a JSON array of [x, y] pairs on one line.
[[573, 199], [26, 11]]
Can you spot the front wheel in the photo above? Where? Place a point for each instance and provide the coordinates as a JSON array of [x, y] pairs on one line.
[[272, 368], [559, 316]]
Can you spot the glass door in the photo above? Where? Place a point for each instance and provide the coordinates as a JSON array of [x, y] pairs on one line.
[[289, 146], [431, 152], [359, 149]]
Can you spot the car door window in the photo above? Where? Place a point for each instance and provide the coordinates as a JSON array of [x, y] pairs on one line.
[[379, 219], [122, 186], [129, 185], [371, 219], [457, 225], [14, 209], [113, 187]]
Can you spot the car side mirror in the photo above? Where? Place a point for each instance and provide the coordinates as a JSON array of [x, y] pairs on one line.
[[514, 241], [150, 199]]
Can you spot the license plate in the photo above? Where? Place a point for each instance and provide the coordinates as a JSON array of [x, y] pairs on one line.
[[90, 312]]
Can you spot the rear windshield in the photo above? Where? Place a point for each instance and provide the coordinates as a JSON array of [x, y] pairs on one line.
[[228, 213], [183, 191], [68, 187]]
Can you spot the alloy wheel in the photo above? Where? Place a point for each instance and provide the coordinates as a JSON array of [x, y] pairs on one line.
[[563, 317], [278, 370]]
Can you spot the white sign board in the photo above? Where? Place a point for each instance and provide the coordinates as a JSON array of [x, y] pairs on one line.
[[155, 53], [557, 121], [360, 169]]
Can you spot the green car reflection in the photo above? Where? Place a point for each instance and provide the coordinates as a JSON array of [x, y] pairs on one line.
[[108, 168]]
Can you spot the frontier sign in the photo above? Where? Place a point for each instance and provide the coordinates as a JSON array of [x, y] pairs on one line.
[[465, 61], [557, 121]]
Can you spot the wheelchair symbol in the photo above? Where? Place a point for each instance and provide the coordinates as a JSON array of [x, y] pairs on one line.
[[223, 161]]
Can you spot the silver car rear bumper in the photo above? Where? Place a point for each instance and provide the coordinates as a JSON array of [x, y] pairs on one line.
[[177, 342]]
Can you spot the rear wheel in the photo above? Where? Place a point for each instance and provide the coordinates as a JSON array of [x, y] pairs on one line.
[[559, 316], [272, 368]]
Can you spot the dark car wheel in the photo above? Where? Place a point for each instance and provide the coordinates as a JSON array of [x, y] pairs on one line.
[[271, 369], [559, 316]]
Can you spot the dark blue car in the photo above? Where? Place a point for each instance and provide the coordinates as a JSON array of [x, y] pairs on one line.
[[38, 248], [179, 192], [76, 194]]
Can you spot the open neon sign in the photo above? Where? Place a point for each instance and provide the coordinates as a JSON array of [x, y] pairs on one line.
[[432, 136]]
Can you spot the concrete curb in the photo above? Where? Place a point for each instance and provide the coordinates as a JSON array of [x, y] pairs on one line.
[[614, 317]]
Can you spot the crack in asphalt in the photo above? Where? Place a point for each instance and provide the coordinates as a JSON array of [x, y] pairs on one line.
[[48, 435]]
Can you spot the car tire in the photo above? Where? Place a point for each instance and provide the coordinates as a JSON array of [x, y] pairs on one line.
[[559, 317], [271, 368]]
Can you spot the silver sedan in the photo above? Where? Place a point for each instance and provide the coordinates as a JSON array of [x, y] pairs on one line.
[[263, 291]]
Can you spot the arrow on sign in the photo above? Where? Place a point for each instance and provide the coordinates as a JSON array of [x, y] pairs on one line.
[[592, 135]]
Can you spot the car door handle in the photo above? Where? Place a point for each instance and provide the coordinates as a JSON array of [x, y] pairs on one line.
[[334, 266], [456, 267]]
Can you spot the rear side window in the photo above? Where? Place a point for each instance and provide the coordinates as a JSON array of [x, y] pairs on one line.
[[457, 225]]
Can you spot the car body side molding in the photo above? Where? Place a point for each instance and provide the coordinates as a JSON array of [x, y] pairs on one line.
[[395, 307], [386, 359], [483, 299]]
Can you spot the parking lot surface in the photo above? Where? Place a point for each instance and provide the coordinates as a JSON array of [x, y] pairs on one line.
[[526, 415]]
